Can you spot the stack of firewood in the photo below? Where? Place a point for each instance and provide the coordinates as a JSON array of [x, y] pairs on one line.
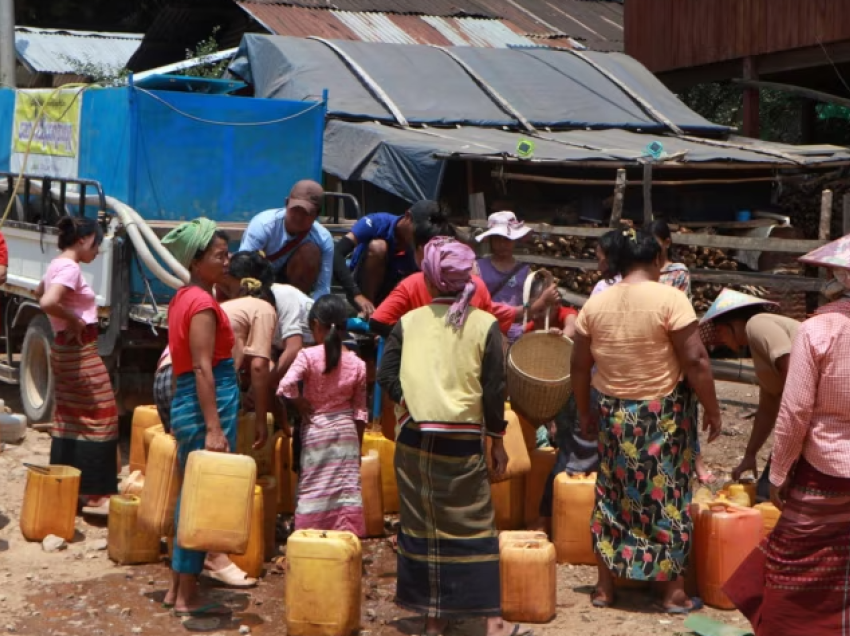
[[802, 202], [582, 281]]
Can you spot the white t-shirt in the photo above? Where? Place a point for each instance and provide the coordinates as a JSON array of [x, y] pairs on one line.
[[293, 307]]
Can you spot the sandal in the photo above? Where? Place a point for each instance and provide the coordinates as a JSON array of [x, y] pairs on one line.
[[97, 511], [598, 602], [204, 610], [231, 576], [525, 632], [696, 605]]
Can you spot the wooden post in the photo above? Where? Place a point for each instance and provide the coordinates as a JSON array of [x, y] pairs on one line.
[[845, 228], [619, 194], [647, 193], [825, 223], [825, 215], [751, 100]]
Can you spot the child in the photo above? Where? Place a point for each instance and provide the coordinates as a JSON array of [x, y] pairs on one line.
[[327, 384], [562, 320], [575, 455]]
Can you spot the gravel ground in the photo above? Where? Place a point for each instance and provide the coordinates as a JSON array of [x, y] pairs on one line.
[[79, 591]]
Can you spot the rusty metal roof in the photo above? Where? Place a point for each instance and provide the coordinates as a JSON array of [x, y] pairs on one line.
[[370, 26], [596, 23], [454, 8]]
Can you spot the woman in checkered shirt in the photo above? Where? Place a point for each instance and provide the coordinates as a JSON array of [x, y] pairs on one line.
[[798, 580]]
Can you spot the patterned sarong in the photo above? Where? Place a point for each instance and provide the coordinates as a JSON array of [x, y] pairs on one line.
[[448, 547], [329, 489], [190, 431], [85, 426], [641, 524], [798, 580]]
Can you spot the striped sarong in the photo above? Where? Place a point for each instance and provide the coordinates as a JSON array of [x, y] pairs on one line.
[[448, 547], [190, 431], [798, 580], [85, 425], [329, 489]]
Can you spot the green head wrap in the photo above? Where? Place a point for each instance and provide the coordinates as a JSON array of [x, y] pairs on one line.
[[186, 239]]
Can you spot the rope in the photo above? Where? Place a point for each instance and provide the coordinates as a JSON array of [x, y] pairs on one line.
[[14, 194], [226, 123]]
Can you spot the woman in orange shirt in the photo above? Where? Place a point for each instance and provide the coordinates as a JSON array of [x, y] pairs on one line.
[[643, 338]]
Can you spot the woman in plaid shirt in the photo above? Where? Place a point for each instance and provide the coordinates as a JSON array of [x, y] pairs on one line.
[[798, 580]]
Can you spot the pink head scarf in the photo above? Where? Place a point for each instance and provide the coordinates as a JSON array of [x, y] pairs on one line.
[[448, 267]]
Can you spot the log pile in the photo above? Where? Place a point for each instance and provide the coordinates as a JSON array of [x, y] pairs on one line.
[[582, 281], [801, 201]]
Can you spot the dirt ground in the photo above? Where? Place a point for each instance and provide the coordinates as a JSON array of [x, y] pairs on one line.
[[80, 592]]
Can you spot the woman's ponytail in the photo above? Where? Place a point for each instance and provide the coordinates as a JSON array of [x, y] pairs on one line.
[[332, 313], [333, 349]]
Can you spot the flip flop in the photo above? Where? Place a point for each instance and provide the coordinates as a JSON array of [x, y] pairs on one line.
[[231, 576], [598, 602], [168, 606], [203, 610], [696, 605], [524, 632]]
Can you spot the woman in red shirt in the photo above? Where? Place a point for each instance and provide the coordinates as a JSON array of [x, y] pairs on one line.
[[206, 398]]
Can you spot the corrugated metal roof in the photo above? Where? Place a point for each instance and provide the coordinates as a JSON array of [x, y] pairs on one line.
[[597, 23], [49, 50], [384, 27], [470, 8]]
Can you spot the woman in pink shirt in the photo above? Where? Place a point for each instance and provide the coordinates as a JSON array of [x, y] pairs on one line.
[[796, 582], [85, 426]]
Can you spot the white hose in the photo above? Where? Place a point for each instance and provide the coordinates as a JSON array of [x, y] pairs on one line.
[[138, 231]]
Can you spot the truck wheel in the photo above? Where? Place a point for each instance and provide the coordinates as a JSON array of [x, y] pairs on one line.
[[37, 383]]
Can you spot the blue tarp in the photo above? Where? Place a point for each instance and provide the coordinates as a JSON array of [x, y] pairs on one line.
[[549, 87]]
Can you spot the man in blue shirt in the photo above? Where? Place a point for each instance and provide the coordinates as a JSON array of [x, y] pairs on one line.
[[300, 250], [378, 253]]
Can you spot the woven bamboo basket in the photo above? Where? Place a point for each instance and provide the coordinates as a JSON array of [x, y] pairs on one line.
[[538, 370]]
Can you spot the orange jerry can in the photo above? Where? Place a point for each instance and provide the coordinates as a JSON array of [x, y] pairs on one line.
[[269, 487], [574, 500], [770, 517], [129, 543], [216, 503], [251, 560], [286, 477], [148, 436], [144, 417], [161, 488], [509, 503], [374, 440], [50, 502], [323, 583], [373, 496], [510, 536], [542, 463], [724, 535], [246, 434], [518, 460], [528, 576]]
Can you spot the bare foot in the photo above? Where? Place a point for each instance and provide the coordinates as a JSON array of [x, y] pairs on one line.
[[500, 627], [704, 475]]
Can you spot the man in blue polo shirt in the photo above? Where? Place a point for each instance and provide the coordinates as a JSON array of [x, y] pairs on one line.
[[378, 253], [300, 250]]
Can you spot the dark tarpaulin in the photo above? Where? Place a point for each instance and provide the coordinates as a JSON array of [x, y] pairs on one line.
[[549, 87], [403, 162]]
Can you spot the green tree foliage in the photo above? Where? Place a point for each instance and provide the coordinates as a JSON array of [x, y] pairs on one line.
[[205, 49], [780, 113], [103, 74]]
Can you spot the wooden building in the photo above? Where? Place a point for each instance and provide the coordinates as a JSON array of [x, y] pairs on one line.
[[801, 43]]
